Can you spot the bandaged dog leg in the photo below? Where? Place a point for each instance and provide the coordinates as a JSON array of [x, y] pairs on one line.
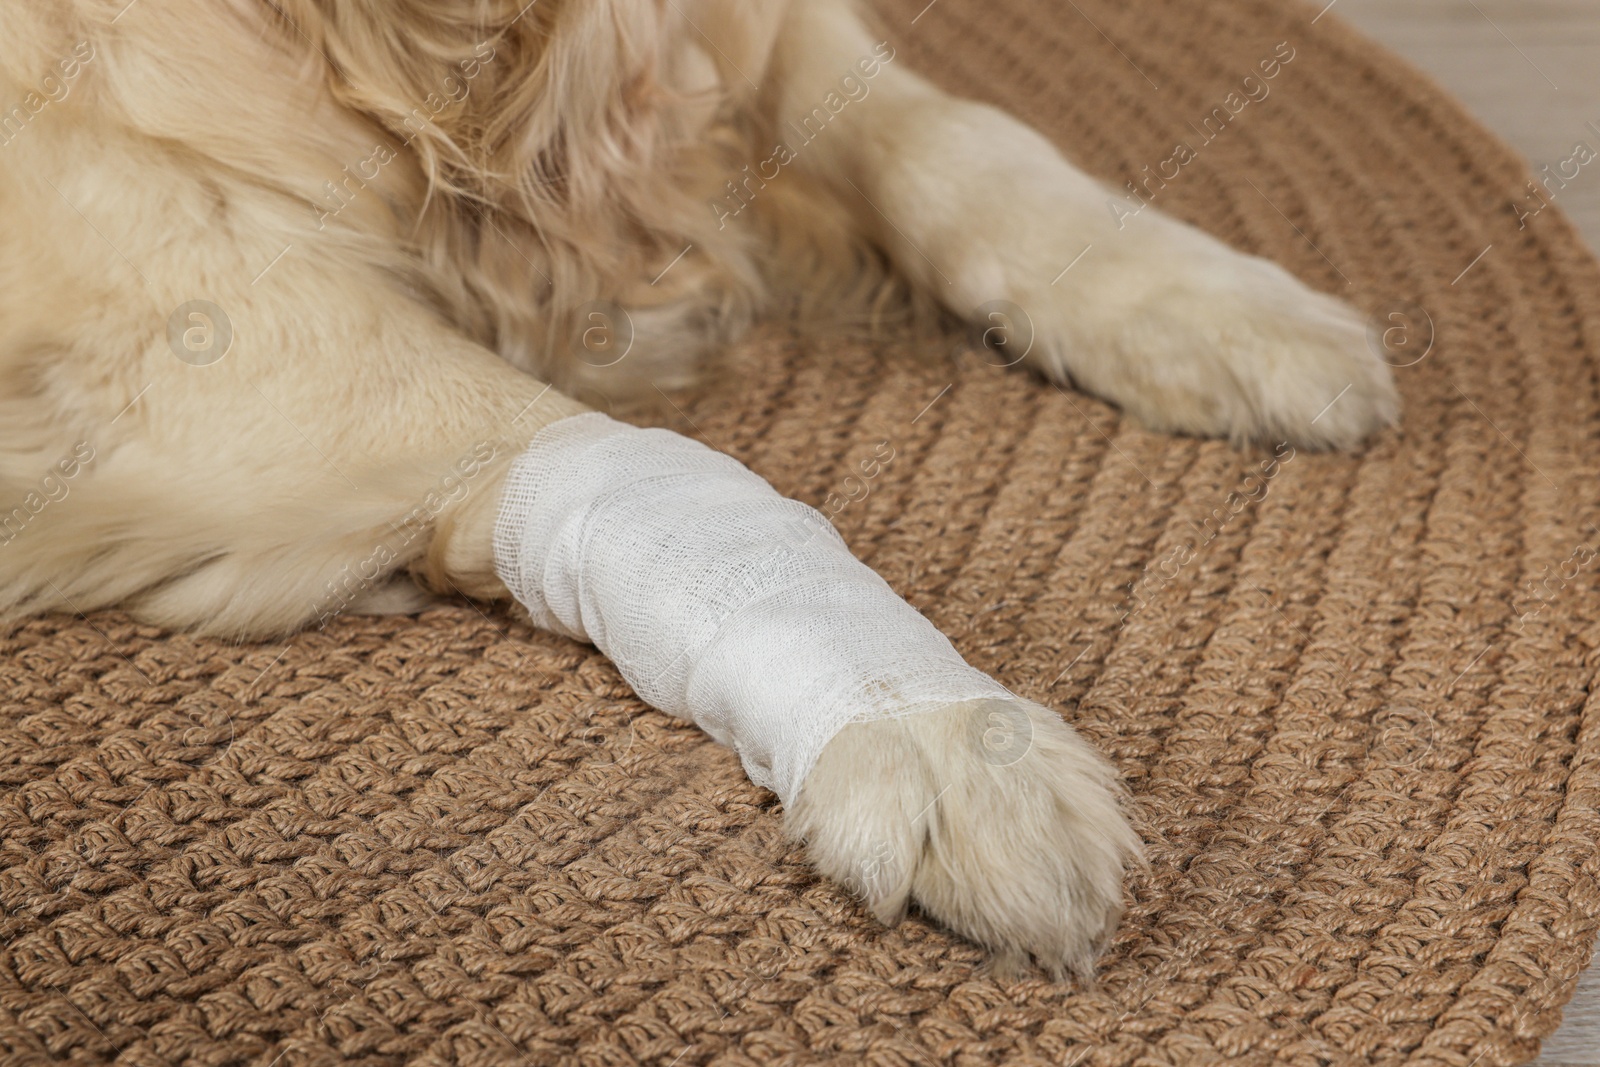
[[719, 600], [909, 775]]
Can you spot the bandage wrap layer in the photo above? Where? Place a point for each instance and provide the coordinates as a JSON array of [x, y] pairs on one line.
[[719, 600]]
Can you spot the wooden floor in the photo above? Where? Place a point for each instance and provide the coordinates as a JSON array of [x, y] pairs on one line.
[[1530, 70]]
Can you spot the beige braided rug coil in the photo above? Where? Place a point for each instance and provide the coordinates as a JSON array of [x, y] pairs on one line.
[[1359, 724]]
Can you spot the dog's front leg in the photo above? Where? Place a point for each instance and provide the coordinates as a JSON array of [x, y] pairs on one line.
[[910, 774], [1085, 283]]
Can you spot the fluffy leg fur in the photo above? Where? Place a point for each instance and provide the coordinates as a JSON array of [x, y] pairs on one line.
[[1175, 327], [348, 433]]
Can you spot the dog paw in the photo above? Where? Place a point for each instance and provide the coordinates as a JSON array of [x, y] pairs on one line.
[[1218, 344], [1188, 335], [994, 817], [1251, 354]]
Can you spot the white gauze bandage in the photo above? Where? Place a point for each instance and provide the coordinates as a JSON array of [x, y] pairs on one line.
[[719, 600]]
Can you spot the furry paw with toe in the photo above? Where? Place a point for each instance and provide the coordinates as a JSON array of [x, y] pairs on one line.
[[994, 817], [1189, 336]]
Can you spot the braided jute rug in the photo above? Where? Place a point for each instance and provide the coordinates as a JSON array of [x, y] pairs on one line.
[[1358, 724]]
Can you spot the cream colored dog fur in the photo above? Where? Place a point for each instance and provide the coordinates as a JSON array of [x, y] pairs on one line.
[[396, 215]]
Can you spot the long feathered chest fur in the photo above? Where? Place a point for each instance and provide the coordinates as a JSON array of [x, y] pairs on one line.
[[567, 153]]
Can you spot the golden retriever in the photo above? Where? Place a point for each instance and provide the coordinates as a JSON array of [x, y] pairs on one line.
[[285, 284]]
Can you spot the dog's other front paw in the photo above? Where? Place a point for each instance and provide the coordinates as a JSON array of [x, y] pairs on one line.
[[1243, 350], [1190, 336], [994, 816]]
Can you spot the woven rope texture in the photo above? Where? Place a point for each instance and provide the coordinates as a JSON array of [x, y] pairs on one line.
[[1357, 724]]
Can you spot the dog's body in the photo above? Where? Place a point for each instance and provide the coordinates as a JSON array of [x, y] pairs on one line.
[[406, 210]]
